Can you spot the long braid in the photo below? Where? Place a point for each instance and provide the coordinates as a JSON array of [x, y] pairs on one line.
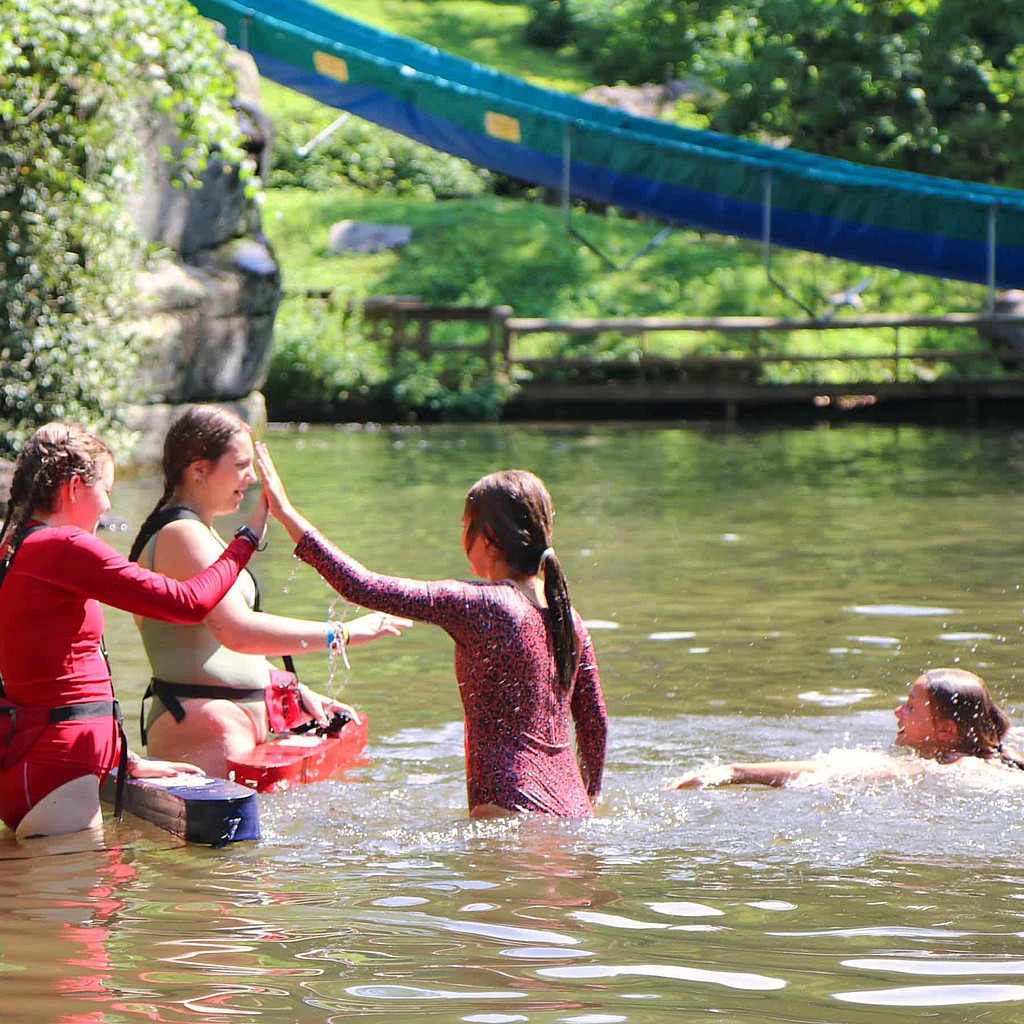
[[514, 511], [54, 454], [145, 529]]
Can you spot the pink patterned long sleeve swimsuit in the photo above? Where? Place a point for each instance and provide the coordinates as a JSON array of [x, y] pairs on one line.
[[519, 748]]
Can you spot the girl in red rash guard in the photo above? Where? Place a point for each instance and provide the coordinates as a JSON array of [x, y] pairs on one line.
[[63, 737]]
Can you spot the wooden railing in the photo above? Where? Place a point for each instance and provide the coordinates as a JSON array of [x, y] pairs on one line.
[[750, 362], [407, 323], [404, 322]]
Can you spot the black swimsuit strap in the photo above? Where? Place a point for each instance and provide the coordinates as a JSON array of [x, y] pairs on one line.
[[169, 692]]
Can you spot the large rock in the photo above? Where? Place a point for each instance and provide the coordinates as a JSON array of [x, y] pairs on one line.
[[358, 236], [207, 309], [208, 328], [6, 472], [653, 101]]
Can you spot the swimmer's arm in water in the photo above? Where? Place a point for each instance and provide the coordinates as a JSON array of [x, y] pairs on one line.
[[764, 773], [839, 766]]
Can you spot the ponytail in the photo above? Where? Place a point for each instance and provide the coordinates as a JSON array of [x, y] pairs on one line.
[[1011, 758], [514, 511], [563, 630]]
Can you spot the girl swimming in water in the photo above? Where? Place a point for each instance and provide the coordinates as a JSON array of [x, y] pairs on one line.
[[948, 716]]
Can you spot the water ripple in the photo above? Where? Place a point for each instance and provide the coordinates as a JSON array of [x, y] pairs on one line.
[[936, 967], [412, 992], [905, 611], [935, 995], [729, 979]]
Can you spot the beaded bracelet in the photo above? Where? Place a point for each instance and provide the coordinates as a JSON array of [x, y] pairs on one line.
[[336, 643], [332, 636]]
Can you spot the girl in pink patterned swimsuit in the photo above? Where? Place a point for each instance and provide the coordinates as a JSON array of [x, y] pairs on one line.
[[524, 661]]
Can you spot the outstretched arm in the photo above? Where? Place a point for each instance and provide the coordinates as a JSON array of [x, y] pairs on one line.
[[764, 773], [837, 768], [185, 548], [450, 604]]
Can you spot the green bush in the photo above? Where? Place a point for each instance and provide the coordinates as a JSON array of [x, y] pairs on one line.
[[77, 81], [550, 25], [453, 386], [360, 155], [322, 364], [326, 367], [932, 86]]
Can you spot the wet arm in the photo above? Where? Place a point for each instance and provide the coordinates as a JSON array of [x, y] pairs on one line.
[[446, 604], [764, 773], [591, 718], [186, 547], [450, 604]]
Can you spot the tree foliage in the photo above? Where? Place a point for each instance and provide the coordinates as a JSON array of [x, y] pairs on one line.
[[933, 86], [77, 79]]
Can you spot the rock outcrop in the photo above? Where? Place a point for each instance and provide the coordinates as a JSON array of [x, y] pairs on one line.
[[207, 309]]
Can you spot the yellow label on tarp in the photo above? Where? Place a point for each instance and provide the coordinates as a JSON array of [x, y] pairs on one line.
[[501, 126], [333, 67]]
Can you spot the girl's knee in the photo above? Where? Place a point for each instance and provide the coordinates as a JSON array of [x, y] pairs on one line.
[[69, 808]]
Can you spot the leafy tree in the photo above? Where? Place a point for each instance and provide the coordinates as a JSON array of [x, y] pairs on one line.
[[935, 86], [921, 85], [78, 79]]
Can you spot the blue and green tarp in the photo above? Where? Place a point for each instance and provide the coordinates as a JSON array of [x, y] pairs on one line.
[[699, 179]]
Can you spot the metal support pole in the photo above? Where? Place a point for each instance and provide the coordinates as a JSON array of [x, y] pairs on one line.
[[566, 212], [321, 136], [991, 274], [766, 239]]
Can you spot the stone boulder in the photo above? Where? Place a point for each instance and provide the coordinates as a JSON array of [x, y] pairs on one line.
[[207, 309], [207, 329], [653, 101], [6, 472], [357, 236]]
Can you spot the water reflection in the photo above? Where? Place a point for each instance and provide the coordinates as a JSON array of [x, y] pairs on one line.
[[762, 595], [60, 908]]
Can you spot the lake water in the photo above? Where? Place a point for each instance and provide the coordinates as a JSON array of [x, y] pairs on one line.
[[751, 596]]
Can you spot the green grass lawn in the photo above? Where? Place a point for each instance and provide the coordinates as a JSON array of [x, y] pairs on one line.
[[493, 251]]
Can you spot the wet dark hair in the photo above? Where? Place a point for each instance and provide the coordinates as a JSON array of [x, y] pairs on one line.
[[200, 432], [513, 510], [54, 454], [963, 698]]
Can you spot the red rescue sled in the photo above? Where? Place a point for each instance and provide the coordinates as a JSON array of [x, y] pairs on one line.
[[294, 760]]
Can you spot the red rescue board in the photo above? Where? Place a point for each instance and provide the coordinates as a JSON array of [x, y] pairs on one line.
[[289, 761]]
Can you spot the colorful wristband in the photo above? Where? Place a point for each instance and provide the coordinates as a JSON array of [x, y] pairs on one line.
[[332, 635]]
